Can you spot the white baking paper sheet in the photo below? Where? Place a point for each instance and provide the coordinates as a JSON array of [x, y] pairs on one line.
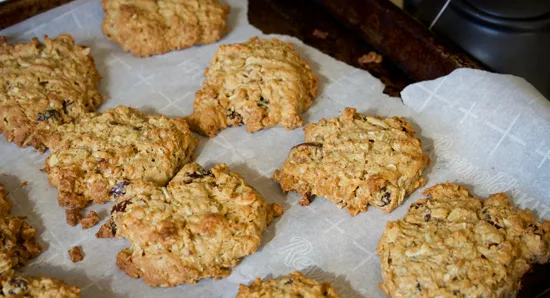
[[490, 132]]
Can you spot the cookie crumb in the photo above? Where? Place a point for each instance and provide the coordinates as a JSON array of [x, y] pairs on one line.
[[76, 254], [371, 57], [90, 220], [73, 216], [108, 230], [306, 199], [320, 34], [25, 183], [276, 210]]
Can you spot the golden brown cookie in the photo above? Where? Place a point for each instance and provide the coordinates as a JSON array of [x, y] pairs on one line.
[[17, 238], [44, 84], [198, 227], [452, 244], [150, 27], [14, 285], [294, 285], [355, 161], [96, 158], [260, 83]]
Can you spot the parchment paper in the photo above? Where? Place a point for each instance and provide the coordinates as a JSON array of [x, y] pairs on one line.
[[490, 132]]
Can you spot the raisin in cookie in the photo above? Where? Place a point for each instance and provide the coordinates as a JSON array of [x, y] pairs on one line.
[[294, 285], [199, 226], [260, 83], [97, 157], [356, 161], [44, 84], [153, 27], [18, 238], [15, 285], [455, 245]]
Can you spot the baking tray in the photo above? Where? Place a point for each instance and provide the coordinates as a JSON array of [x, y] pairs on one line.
[[353, 28], [15, 11]]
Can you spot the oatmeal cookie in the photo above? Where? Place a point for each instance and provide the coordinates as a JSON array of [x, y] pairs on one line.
[[198, 227], [14, 285], [260, 83], [294, 285], [153, 27], [356, 161], [18, 238], [455, 245], [44, 85], [96, 158]]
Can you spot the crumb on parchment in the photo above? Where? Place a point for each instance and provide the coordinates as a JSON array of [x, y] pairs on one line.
[[76, 254], [90, 220], [73, 216]]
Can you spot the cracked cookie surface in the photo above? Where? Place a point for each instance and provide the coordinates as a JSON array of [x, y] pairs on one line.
[[18, 238], [294, 285], [355, 161], [97, 157], [42, 85], [152, 27], [15, 285], [198, 227], [452, 244], [260, 83]]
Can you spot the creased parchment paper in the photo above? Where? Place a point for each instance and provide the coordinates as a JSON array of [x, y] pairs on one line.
[[490, 132]]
